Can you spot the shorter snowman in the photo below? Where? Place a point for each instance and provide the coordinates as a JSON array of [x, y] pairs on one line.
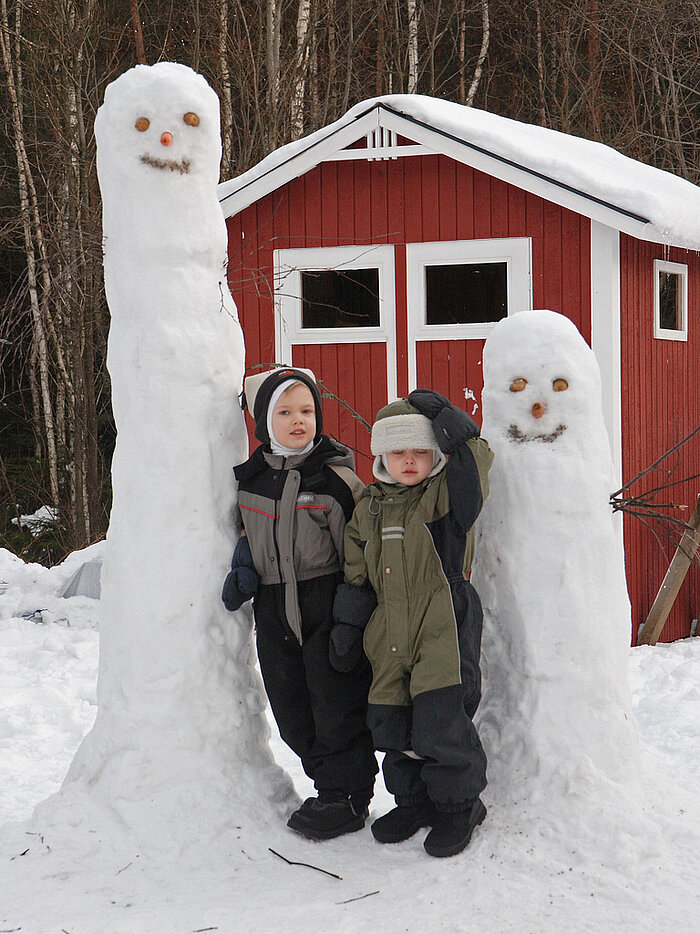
[[556, 714]]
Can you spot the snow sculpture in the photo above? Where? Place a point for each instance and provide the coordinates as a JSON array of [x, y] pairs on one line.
[[556, 714], [180, 730]]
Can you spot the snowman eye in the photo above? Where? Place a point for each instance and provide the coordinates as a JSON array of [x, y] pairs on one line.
[[191, 119], [142, 124], [559, 385], [518, 385]]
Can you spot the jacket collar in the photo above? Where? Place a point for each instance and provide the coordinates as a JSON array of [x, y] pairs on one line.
[[325, 450]]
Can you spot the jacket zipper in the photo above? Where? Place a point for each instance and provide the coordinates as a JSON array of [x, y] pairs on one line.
[[278, 502]]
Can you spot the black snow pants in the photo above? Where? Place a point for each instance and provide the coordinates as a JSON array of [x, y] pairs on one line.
[[432, 749], [321, 713]]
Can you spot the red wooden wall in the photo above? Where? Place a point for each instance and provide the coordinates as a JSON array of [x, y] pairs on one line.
[[660, 406]]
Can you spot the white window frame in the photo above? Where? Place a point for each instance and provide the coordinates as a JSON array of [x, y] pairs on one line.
[[679, 269], [515, 252], [288, 267]]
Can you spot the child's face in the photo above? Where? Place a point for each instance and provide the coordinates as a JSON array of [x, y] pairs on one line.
[[409, 467], [294, 417]]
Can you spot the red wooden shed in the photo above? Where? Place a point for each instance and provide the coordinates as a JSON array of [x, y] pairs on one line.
[[381, 250]]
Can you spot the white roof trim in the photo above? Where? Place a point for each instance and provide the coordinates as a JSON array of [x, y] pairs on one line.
[[235, 198], [520, 176], [581, 175]]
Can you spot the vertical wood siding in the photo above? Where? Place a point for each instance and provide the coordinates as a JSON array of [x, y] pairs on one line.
[[660, 406]]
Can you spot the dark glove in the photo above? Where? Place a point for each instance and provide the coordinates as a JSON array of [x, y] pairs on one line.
[[345, 647], [242, 580], [352, 609], [452, 426]]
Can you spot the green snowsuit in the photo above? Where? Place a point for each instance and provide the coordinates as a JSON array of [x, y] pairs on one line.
[[414, 546]]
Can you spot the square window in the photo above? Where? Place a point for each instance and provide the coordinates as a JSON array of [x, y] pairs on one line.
[[670, 300], [468, 293], [340, 298]]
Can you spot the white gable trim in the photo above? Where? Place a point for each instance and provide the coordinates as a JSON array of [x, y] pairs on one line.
[[381, 118], [298, 164], [606, 338]]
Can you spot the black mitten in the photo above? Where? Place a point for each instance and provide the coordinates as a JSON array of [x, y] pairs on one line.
[[242, 580], [352, 609], [345, 647], [428, 402], [452, 426]]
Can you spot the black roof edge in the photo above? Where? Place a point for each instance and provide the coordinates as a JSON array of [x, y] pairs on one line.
[[468, 145]]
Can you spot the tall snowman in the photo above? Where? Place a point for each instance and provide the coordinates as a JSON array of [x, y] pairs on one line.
[[180, 730], [556, 714]]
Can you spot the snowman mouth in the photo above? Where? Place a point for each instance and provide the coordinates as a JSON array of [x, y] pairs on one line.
[[515, 434], [172, 165]]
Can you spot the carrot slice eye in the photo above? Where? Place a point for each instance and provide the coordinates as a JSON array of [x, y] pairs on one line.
[[191, 119], [559, 385], [518, 385], [142, 124]]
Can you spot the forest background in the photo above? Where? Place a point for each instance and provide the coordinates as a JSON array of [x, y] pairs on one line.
[[624, 72]]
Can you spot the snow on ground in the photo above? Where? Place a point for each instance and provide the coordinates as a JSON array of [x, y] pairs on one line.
[[542, 873]]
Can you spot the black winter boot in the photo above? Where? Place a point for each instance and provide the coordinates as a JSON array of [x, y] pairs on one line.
[[452, 832], [329, 815], [402, 822]]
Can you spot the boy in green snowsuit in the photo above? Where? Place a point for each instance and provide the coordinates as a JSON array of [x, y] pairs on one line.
[[408, 550]]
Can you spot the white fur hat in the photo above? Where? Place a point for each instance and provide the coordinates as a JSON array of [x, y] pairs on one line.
[[399, 426]]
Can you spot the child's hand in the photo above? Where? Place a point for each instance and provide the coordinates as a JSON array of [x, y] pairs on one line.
[[428, 402], [242, 580], [345, 647], [352, 609], [452, 426]]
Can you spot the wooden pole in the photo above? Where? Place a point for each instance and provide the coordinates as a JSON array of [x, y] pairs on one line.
[[665, 598]]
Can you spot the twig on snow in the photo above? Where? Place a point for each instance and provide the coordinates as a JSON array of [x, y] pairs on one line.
[[358, 898], [308, 865]]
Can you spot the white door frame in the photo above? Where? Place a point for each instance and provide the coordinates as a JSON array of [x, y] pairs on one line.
[[288, 267], [516, 252]]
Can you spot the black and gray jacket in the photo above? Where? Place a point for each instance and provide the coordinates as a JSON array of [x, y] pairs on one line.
[[293, 511]]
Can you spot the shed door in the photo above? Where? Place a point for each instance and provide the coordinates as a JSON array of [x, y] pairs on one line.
[[335, 313]]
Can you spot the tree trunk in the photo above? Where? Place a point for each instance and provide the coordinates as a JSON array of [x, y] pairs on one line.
[[139, 50], [30, 227], [412, 83], [273, 69], [225, 93], [485, 38], [301, 70]]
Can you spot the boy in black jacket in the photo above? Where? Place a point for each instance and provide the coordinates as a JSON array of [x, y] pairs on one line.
[[296, 493]]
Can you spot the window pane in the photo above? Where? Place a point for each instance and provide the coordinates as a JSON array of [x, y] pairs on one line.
[[340, 298], [466, 294], [670, 311]]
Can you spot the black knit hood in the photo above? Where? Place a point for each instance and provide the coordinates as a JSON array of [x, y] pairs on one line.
[[263, 393]]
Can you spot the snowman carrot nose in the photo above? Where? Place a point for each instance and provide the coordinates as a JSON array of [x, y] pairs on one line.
[[538, 410], [166, 139]]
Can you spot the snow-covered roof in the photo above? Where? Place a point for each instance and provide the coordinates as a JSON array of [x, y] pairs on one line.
[[580, 174]]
